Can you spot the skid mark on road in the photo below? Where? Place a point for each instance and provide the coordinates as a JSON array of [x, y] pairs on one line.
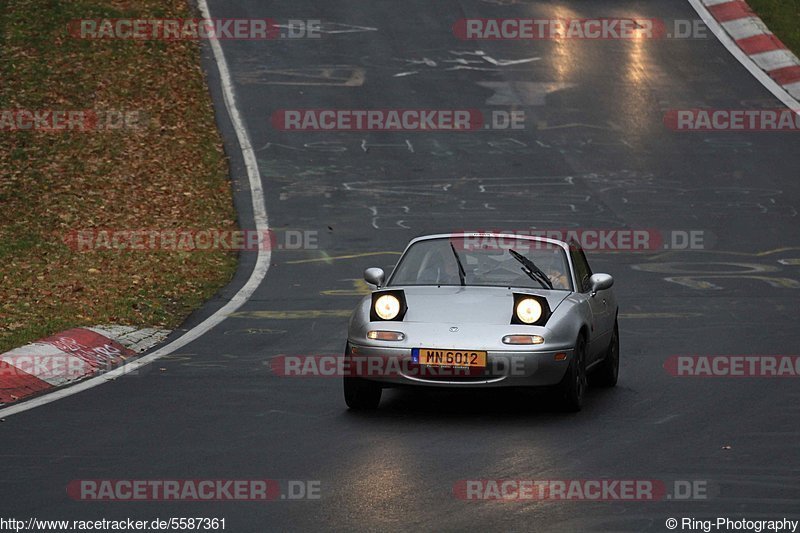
[[660, 315], [320, 75], [295, 314]]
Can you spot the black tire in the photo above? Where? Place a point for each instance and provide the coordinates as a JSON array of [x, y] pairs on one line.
[[573, 386], [607, 372], [361, 394]]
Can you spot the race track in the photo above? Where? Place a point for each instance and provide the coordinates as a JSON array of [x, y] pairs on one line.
[[594, 153]]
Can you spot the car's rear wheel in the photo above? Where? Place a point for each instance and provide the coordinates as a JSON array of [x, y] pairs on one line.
[[608, 371], [361, 394], [573, 386]]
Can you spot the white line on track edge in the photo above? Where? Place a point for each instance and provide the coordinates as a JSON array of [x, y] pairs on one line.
[[771, 85], [244, 294]]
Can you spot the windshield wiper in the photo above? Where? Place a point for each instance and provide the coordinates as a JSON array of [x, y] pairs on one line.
[[462, 275], [530, 268]]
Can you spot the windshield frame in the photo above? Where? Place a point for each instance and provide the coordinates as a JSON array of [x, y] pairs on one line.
[[449, 236]]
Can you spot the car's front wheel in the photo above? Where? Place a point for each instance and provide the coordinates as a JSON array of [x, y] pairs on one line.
[[573, 385], [361, 394], [608, 371]]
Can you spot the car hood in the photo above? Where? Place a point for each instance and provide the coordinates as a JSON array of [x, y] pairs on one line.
[[468, 305]]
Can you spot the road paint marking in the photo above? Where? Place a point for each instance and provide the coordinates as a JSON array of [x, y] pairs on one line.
[[360, 288], [701, 268], [328, 259], [327, 27], [365, 146], [325, 257], [255, 331], [245, 292], [698, 282], [723, 252], [489, 59], [695, 274]]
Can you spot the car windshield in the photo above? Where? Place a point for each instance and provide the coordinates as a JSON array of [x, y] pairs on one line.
[[487, 261]]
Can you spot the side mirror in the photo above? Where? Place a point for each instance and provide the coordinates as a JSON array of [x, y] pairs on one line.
[[375, 276], [600, 282]]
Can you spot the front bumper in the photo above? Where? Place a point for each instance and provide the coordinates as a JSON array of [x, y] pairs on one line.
[[504, 368]]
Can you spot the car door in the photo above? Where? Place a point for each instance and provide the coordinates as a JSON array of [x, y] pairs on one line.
[[598, 304]]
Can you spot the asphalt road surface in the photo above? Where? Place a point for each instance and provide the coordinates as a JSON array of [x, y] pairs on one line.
[[594, 153]]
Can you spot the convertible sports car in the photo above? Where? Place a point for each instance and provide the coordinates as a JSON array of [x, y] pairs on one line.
[[484, 310]]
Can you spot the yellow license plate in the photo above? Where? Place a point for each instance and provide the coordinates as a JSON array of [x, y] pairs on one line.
[[428, 356]]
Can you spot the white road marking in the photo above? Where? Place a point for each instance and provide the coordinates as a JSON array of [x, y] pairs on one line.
[[772, 86], [247, 290], [346, 28]]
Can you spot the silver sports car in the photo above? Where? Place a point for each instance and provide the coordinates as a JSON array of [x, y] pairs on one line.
[[484, 310]]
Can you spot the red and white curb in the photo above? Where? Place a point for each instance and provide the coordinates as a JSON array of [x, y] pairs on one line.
[[70, 356], [257, 197], [753, 37]]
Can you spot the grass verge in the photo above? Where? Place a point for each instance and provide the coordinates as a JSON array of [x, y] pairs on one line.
[[783, 19], [170, 173]]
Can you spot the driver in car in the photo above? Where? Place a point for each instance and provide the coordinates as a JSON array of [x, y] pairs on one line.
[[439, 270], [556, 277]]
